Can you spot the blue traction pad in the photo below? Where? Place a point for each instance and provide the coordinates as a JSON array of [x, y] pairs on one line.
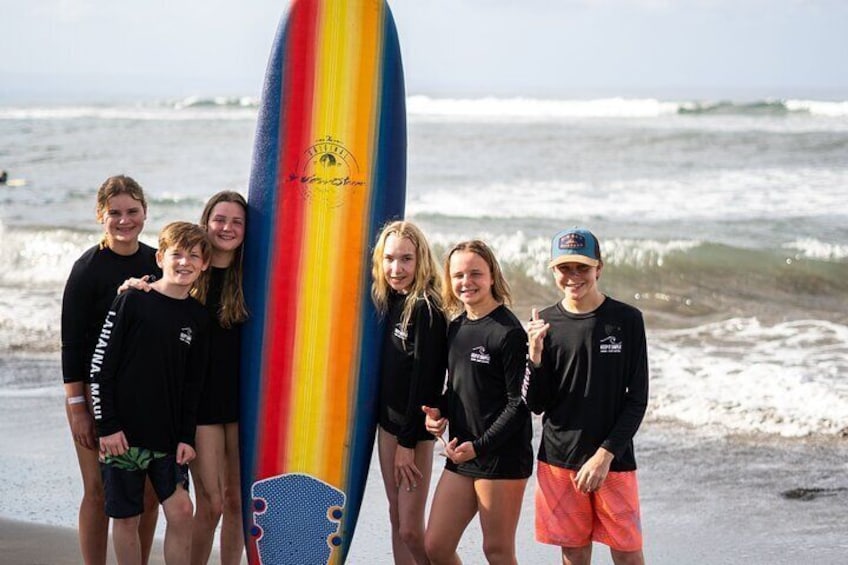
[[296, 519]]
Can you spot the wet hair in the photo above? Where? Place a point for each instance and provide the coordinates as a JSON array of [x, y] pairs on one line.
[[500, 288], [426, 283], [233, 309], [114, 186]]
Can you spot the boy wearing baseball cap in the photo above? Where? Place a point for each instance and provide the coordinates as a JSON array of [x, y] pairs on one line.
[[588, 373]]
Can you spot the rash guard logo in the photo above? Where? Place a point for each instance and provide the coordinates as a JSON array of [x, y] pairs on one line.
[[610, 344], [480, 355], [400, 333], [185, 335]]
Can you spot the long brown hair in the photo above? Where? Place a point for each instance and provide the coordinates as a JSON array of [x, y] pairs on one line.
[[500, 288], [426, 283], [232, 309], [113, 186]]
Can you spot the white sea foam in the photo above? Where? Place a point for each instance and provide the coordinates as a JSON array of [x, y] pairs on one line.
[[534, 109], [724, 194], [39, 258], [819, 108], [176, 112], [530, 254], [220, 101], [816, 249], [741, 376]]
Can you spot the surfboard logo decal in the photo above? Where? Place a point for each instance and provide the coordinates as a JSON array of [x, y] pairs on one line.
[[296, 519], [328, 173]]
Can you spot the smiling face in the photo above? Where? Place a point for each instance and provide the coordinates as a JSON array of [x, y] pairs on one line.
[[579, 283], [181, 267], [399, 263], [226, 227], [123, 219], [471, 281]]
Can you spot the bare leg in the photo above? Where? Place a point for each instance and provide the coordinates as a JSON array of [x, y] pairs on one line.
[[178, 514], [125, 538], [577, 555], [627, 557], [147, 522], [454, 505], [206, 472], [93, 521], [232, 534], [406, 509], [499, 502]]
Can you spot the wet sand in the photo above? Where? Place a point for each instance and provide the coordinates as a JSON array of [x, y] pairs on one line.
[[705, 499]]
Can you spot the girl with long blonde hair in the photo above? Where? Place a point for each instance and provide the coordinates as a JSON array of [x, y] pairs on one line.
[[406, 292]]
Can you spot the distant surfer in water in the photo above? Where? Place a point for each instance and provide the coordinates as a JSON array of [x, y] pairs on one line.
[[588, 373], [406, 291], [4, 176], [122, 209], [489, 453]]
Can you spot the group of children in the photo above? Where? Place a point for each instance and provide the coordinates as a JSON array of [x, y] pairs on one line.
[[150, 356], [151, 378], [581, 362]]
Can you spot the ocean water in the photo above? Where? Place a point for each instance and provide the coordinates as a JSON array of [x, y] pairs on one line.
[[725, 222]]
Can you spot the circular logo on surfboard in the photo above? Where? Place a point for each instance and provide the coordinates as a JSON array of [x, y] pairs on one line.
[[328, 173]]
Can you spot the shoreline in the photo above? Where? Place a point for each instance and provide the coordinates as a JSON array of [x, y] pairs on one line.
[[705, 498], [27, 543]]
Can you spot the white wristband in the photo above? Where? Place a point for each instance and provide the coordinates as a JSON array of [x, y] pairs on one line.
[[76, 400]]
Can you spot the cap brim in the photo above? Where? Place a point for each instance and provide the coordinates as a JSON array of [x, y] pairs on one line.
[[573, 259]]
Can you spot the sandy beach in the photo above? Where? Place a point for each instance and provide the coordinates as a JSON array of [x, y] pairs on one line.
[[706, 499]]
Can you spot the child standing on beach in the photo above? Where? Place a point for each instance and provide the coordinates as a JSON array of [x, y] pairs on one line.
[[406, 291], [122, 209], [146, 375], [489, 454], [588, 372], [215, 470]]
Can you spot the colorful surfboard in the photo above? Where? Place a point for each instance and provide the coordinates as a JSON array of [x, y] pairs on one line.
[[329, 169]]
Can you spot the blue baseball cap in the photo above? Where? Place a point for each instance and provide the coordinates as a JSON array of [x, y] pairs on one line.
[[576, 245]]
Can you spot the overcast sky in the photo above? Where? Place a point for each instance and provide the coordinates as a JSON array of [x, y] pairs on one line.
[[542, 48]]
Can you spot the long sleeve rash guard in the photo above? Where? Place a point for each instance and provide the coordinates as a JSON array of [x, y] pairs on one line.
[[91, 287], [486, 360], [148, 368], [412, 371], [592, 384]]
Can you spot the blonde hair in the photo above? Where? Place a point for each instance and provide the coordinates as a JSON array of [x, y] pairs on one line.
[[114, 186], [500, 287], [233, 309], [426, 283]]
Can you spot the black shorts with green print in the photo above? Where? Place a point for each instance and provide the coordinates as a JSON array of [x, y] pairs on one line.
[[124, 477]]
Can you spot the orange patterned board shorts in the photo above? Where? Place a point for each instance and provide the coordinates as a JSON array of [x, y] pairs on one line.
[[569, 518]]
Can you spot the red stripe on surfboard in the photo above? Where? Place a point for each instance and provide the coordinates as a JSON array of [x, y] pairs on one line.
[[296, 119]]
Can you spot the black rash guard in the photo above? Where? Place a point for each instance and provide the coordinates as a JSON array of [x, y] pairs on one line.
[[486, 361], [412, 370], [219, 400], [148, 368], [91, 288], [592, 384]]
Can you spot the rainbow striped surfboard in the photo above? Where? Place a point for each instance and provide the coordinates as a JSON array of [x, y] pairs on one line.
[[329, 169]]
